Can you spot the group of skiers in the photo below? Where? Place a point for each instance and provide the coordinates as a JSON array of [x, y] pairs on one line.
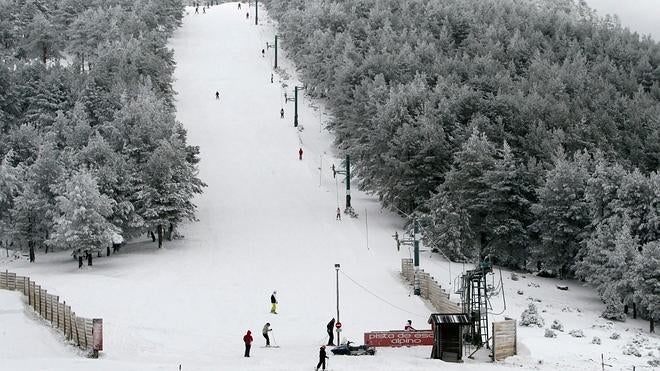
[[206, 5], [265, 332]]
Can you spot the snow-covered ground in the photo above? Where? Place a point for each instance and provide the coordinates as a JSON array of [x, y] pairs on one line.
[[267, 222]]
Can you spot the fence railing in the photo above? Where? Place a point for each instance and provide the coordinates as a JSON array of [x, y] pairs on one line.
[[86, 333], [429, 288]]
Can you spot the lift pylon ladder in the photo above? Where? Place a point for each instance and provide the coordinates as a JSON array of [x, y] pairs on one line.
[[475, 303]]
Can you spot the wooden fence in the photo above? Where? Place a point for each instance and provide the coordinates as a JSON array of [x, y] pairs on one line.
[[429, 288], [504, 339], [84, 332]]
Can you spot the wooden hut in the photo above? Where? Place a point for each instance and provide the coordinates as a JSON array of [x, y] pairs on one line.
[[448, 335]]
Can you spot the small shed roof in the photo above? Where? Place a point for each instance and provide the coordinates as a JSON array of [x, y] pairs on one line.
[[449, 318]]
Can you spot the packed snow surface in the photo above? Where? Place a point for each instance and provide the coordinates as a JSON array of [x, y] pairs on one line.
[[267, 223]]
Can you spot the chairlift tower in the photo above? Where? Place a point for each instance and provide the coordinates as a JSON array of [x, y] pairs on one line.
[[475, 302]]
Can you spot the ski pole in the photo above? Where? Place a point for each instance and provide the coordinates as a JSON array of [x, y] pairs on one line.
[[274, 342]]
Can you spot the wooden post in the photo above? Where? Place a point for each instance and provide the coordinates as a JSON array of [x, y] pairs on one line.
[[494, 345], [28, 293]]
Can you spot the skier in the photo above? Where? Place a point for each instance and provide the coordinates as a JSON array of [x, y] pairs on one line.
[[217, 95], [338, 214], [300, 152], [239, 6], [247, 339], [197, 9], [204, 10], [285, 98], [409, 326], [264, 332], [322, 358], [247, 15], [271, 78], [273, 303], [281, 113], [330, 327], [263, 53]]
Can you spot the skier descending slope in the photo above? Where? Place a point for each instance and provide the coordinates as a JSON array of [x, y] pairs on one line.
[[265, 331], [273, 303]]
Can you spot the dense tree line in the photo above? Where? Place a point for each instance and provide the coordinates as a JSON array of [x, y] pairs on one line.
[[89, 145], [521, 129]]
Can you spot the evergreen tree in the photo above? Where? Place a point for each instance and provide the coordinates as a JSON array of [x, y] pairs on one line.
[[602, 188], [466, 183], [562, 213], [82, 225], [647, 281], [10, 185], [448, 229], [509, 212], [42, 39], [635, 198]]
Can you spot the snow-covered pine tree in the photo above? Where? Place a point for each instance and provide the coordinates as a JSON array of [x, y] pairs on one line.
[[647, 280], [602, 187], [81, 225], [29, 218], [562, 212], [652, 220], [509, 212], [447, 228], [42, 41], [635, 198], [605, 262], [466, 183], [10, 178], [169, 184]]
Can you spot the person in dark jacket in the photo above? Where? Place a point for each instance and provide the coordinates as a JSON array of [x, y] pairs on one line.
[[322, 358], [273, 303], [281, 113], [331, 327], [408, 326], [300, 152], [247, 339]]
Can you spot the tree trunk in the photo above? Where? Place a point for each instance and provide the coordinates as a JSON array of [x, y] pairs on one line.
[[625, 309], [634, 311], [160, 235], [153, 236], [44, 53], [89, 258], [652, 326], [107, 251], [80, 261], [170, 231], [32, 257]]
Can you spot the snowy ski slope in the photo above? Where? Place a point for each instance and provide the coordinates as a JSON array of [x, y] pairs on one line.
[[266, 222]]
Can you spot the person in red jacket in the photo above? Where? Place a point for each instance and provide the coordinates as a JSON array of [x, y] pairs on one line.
[[247, 339], [300, 152]]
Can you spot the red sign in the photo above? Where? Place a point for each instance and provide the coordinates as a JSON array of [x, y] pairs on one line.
[[398, 338], [338, 325]]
